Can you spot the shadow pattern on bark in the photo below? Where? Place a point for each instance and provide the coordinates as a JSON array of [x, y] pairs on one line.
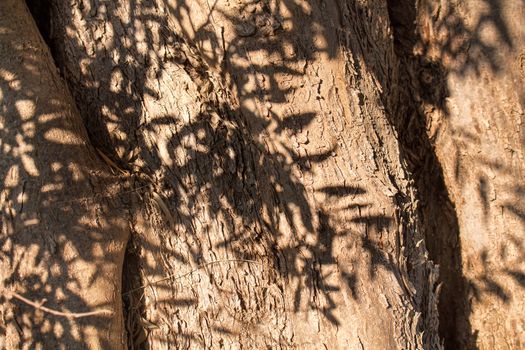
[[60, 207], [214, 156], [434, 41], [212, 160], [215, 159]]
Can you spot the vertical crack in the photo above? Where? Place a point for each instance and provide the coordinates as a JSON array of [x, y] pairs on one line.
[[438, 213]]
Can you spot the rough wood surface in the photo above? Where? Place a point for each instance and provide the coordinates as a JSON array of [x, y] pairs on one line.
[[294, 174], [63, 228], [474, 78], [263, 130]]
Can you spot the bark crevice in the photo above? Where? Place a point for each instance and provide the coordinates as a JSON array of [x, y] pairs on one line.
[[422, 88]]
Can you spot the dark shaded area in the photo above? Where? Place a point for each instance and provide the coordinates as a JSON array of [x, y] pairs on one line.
[[135, 326], [41, 12], [437, 211]]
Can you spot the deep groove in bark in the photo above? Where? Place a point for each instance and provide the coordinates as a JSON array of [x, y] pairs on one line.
[[41, 12], [438, 213], [134, 310]]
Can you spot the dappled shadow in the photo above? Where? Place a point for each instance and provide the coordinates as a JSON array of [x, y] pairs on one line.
[[166, 97], [440, 43], [167, 91], [60, 209]]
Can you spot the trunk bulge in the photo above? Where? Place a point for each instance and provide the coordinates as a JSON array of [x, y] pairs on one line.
[[63, 235]]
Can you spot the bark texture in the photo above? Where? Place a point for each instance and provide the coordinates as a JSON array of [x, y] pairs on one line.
[[264, 133], [282, 166], [478, 48], [59, 245]]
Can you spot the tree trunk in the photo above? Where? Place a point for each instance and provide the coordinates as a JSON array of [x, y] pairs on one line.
[[262, 134], [63, 236], [282, 166], [475, 56]]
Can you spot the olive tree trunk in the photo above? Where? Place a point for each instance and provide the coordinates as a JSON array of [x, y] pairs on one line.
[[474, 108], [282, 167], [63, 233], [275, 207]]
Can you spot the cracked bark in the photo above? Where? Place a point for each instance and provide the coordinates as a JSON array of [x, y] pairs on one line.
[[272, 145]]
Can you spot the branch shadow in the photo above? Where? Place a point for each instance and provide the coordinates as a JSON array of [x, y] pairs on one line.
[[207, 156], [435, 41], [59, 205]]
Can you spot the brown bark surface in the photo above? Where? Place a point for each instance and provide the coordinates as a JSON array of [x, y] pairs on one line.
[[282, 167], [62, 237], [263, 131], [475, 57]]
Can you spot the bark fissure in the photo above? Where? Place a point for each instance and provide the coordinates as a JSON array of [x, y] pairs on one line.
[[439, 219], [461, 53]]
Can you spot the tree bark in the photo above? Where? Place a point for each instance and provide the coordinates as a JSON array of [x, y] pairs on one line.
[[62, 236], [263, 134], [474, 53], [282, 166]]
